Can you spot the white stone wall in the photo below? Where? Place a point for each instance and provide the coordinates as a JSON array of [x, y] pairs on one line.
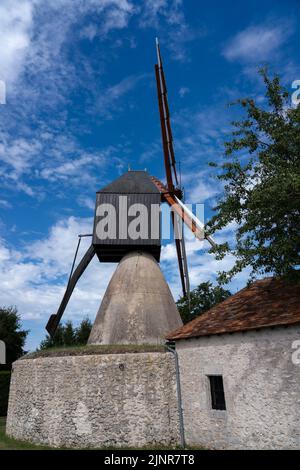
[[95, 401], [262, 390]]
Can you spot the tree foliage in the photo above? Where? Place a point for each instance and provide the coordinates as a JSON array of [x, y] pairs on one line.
[[262, 187], [204, 297], [12, 334], [68, 335], [83, 331]]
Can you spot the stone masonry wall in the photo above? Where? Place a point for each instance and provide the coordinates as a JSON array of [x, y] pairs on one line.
[[261, 384], [95, 401]]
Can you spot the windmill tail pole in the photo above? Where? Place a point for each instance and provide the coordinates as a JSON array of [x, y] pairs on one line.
[[54, 320]]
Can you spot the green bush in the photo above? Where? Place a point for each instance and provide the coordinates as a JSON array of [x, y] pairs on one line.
[[4, 391]]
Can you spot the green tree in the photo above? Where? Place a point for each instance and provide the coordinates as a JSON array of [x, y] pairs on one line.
[[262, 187], [56, 341], [67, 335], [12, 334], [83, 331], [204, 297]]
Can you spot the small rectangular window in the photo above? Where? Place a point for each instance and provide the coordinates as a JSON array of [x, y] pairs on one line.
[[217, 392]]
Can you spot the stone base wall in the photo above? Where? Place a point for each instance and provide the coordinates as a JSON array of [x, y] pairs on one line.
[[95, 401]]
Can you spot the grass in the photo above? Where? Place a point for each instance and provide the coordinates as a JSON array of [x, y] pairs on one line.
[[95, 349]]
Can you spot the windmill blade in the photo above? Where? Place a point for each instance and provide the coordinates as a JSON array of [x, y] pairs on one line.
[[186, 270], [199, 225], [163, 132], [166, 109], [192, 222], [167, 138], [54, 320], [176, 230], [181, 255]]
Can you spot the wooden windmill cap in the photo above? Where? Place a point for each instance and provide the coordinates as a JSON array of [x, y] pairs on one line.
[[132, 182]]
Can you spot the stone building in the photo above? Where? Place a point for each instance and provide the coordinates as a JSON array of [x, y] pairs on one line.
[[240, 370]]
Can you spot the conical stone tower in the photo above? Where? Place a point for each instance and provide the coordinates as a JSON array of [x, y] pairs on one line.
[[138, 307]]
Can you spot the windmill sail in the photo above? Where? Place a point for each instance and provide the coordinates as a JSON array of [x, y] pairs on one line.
[[181, 255], [167, 138], [170, 167]]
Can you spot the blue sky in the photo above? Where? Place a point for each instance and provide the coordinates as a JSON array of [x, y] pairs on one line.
[[81, 106]]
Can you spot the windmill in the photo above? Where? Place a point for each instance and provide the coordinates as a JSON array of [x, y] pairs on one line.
[[137, 306]]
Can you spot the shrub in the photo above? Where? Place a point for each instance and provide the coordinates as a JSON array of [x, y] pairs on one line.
[[4, 391]]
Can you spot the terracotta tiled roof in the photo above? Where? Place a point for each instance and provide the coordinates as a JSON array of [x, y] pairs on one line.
[[268, 302]]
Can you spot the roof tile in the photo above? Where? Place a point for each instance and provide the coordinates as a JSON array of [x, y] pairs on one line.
[[267, 302]]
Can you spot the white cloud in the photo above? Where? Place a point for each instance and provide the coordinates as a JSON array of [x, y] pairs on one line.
[[17, 155], [5, 204], [34, 278], [86, 201], [72, 167], [151, 11], [33, 38], [35, 62], [202, 265], [176, 33], [107, 101], [150, 152], [50, 156], [89, 32], [200, 135], [15, 26], [200, 186], [183, 91], [258, 43], [118, 15]]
